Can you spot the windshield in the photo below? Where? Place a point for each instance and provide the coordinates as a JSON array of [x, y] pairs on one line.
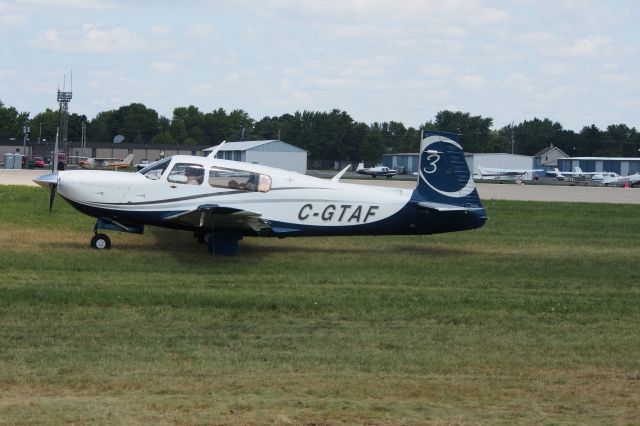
[[188, 173], [155, 170], [239, 179]]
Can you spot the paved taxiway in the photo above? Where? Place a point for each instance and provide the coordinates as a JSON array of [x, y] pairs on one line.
[[488, 191]]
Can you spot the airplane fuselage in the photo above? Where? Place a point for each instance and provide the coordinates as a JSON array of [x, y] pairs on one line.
[[229, 199], [301, 204]]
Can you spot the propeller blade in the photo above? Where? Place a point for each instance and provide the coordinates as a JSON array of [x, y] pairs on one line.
[[52, 196], [54, 160]]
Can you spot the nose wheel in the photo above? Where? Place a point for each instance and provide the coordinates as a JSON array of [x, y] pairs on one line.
[[100, 242]]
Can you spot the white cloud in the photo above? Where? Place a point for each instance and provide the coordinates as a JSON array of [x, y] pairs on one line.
[[472, 81], [202, 89], [92, 38], [164, 67], [200, 32], [587, 47], [75, 4]]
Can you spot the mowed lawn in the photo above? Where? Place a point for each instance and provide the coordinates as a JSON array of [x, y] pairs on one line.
[[534, 318]]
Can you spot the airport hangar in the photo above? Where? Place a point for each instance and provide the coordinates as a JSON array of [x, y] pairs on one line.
[[620, 165], [274, 153], [545, 159], [407, 163]]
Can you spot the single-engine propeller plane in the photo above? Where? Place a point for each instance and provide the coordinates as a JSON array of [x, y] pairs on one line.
[[104, 163], [376, 171], [222, 201]]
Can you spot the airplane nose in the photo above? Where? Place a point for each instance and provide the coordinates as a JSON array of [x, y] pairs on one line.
[[47, 180]]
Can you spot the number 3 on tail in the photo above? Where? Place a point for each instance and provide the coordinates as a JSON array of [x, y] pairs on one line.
[[431, 164]]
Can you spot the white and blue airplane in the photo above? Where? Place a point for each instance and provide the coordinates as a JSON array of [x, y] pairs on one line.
[[222, 201]]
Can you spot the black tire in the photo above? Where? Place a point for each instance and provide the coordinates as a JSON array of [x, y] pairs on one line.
[[100, 242]]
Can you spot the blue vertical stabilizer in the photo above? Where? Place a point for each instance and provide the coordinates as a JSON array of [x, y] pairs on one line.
[[445, 184]]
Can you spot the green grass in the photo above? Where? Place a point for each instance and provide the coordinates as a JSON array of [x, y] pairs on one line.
[[532, 319]]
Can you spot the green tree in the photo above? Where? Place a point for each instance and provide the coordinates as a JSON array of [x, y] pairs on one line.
[[534, 135], [11, 122], [135, 122], [48, 121], [473, 131], [373, 146], [163, 138], [193, 123]]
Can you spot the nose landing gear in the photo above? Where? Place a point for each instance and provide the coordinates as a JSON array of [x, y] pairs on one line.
[[100, 242]]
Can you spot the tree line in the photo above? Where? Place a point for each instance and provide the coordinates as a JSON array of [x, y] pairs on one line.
[[332, 135]]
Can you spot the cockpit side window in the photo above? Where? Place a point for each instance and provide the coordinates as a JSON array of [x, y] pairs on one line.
[[155, 170], [241, 180], [187, 173]]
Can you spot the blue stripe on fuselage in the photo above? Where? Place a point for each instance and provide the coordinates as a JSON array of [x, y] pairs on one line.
[[409, 220]]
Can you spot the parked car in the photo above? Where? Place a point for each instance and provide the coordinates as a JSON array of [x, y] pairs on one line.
[[38, 162]]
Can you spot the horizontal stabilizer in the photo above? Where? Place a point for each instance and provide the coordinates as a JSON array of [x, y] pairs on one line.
[[441, 207]]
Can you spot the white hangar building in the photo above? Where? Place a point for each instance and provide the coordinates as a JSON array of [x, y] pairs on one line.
[[274, 153], [499, 161]]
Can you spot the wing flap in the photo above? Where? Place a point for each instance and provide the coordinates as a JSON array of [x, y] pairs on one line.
[[213, 216]]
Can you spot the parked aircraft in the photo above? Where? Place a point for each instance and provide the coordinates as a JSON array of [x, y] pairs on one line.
[[105, 163], [222, 201], [376, 171], [505, 174], [575, 175], [610, 178], [603, 178]]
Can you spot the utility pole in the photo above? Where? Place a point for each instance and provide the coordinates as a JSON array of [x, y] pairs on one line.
[[84, 139], [25, 132], [513, 139], [63, 100]]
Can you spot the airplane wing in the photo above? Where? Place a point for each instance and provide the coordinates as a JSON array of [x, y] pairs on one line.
[[213, 216]]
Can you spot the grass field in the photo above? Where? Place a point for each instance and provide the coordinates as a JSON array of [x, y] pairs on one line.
[[534, 318]]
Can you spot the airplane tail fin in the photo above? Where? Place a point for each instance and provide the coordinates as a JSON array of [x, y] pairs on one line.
[[445, 186], [128, 159], [360, 167], [444, 175]]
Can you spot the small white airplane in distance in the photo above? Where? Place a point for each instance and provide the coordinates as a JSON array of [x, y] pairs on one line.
[[603, 178], [222, 201], [376, 171], [505, 174], [610, 178], [576, 174], [104, 163]]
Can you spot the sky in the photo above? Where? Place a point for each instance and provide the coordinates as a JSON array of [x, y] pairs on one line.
[[572, 61]]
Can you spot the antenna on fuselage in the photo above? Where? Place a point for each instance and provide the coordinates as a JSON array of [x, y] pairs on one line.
[[215, 150]]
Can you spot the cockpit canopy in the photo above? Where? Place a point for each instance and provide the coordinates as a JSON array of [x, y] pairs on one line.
[[218, 177]]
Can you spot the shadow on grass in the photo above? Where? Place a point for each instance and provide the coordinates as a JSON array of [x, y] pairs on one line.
[[182, 247], [433, 251]]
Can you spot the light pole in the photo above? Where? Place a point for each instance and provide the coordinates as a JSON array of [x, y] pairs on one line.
[[25, 131]]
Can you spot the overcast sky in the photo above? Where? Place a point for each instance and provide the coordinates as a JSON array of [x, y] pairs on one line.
[[574, 61]]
